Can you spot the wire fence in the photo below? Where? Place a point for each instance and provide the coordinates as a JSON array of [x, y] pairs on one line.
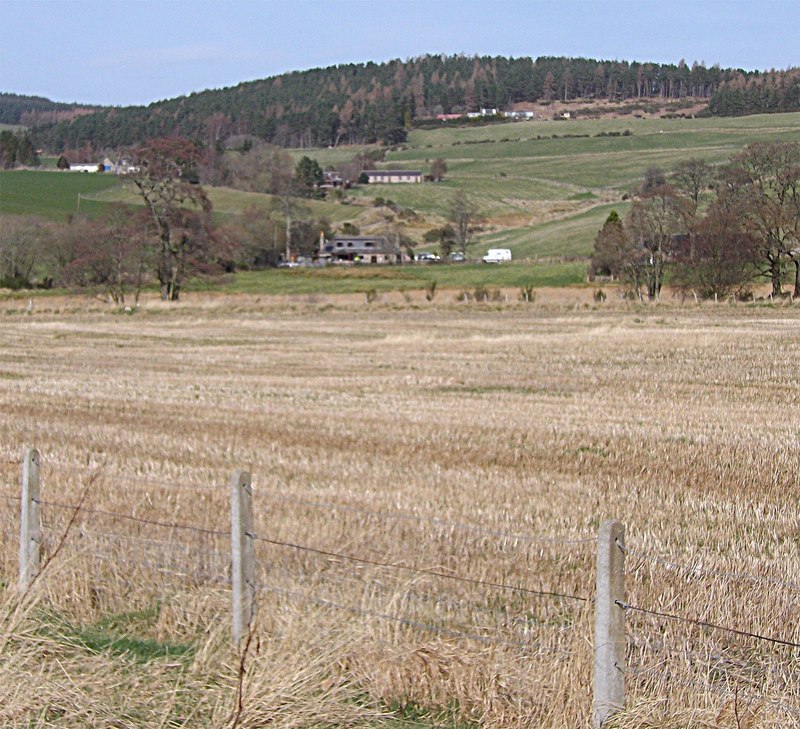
[[352, 581], [167, 557], [527, 647], [746, 667], [698, 572]]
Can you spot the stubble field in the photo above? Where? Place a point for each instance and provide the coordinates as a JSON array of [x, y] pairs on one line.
[[428, 484]]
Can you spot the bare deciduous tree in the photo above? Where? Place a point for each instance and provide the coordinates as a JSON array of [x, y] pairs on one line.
[[653, 223], [462, 214], [178, 206], [763, 184], [721, 257], [22, 244], [438, 169], [112, 253]]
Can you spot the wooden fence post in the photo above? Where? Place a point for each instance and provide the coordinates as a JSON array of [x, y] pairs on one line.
[[30, 526], [609, 630], [243, 558]]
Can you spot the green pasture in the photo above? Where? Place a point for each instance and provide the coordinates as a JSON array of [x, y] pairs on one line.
[[494, 194], [228, 202], [428, 141], [334, 156], [571, 236], [54, 195], [510, 168]]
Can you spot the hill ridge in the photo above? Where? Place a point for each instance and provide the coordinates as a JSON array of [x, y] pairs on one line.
[[370, 102]]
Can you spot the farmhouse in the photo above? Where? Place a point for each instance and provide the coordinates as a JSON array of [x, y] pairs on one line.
[[332, 179], [361, 249], [393, 176]]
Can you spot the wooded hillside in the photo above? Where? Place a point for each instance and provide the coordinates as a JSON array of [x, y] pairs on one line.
[[367, 102], [34, 111]]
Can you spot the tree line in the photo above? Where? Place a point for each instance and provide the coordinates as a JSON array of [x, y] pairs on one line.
[[34, 111], [758, 93], [711, 231], [370, 102], [16, 148]]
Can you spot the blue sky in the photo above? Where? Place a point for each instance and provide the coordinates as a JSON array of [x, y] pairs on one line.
[[137, 51]]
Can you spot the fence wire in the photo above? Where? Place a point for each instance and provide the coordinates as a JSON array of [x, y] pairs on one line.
[[169, 554], [698, 572], [755, 670], [521, 621], [526, 647], [162, 568], [441, 523], [751, 698], [705, 624], [174, 559], [100, 470], [137, 519], [417, 570]]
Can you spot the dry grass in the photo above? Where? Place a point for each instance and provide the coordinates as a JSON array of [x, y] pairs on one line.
[[433, 428]]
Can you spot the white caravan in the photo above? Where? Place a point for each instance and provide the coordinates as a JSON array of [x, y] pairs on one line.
[[497, 255]]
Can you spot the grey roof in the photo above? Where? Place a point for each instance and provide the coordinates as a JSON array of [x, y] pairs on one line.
[[360, 245]]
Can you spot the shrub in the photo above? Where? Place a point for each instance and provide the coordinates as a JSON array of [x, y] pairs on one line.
[[430, 289], [350, 229]]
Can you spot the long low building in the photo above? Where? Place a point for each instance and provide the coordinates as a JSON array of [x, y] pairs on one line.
[[361, 249], [393, 176]]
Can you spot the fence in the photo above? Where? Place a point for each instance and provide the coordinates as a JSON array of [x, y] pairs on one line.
[[621, 645]]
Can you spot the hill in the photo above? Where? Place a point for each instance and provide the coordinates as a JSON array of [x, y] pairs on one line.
[[543, 188], [368, 102]]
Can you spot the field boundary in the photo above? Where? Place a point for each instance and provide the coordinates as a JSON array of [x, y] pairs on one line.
[[614, 638]]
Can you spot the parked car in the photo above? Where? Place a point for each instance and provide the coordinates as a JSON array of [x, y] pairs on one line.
[[426, 257], [497, 255], [456, 257]]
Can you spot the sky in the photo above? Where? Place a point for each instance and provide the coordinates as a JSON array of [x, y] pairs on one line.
[[126, 52]]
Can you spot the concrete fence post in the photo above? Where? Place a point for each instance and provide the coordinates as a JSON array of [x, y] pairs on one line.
[[609, 631], [243, 558], [30, 525]]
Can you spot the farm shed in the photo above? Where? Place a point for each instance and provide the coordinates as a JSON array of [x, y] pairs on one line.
[[393, 176]]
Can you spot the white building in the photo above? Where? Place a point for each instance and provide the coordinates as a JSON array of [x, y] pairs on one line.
[[392, 176]]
